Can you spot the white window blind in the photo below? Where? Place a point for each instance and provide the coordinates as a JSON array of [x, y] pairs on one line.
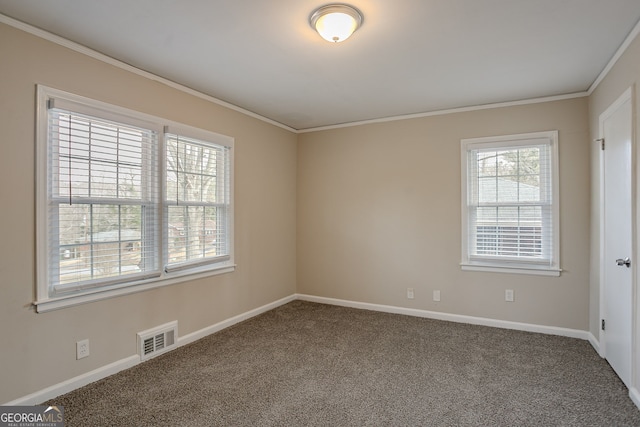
[[510, 207], [102, 201], [197, 201]]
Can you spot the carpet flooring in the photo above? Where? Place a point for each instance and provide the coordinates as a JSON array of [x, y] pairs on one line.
[[307, 364]]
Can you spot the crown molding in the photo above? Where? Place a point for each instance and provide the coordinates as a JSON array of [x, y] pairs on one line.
[[124, 66], [450, 111], [621, 50]]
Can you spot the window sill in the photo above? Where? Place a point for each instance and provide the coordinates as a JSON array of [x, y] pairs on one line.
[[515, 269], [50, 304]]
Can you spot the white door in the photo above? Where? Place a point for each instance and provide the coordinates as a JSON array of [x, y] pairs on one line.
[[616, 130]]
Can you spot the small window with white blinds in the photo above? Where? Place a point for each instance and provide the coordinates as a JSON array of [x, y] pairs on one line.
[[510, 204], [126, 201]]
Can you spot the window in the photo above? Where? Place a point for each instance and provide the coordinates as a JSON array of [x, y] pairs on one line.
[[510, 211], [196, 201], [126, 201]]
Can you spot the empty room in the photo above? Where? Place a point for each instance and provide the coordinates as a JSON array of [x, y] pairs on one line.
[[292, 212]]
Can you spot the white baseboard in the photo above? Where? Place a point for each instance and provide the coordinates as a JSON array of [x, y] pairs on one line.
[[76, 382], [130, 361], [594, 343], [504, 324], [634, 394], [194, 336]]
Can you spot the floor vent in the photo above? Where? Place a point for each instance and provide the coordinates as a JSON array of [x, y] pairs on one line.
[[161, 339]]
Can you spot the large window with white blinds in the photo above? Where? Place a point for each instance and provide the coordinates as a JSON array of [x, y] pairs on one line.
[[510, 206], [126, 201]]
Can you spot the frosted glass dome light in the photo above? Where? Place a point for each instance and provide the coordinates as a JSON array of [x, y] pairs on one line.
[[336, 22]]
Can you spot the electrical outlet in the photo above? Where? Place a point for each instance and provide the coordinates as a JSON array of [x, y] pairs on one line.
[[508, 295], [436, 295], [82, 349], [410, 293]]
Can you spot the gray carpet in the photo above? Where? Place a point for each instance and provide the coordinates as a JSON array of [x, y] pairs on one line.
[[307, 364]]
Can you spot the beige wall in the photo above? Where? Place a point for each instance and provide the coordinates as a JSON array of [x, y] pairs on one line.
[[38, 350], [624, 74], [379, 212]]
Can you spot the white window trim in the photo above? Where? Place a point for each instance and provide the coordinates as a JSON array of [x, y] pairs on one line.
[[506, 266], [44, 302]]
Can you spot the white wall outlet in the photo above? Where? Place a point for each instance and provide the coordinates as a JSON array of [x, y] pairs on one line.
[[410, 293], [82, 349], [436, 295], [508, 295]]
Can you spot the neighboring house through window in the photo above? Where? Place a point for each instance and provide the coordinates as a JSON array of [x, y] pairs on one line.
[[510, 210]]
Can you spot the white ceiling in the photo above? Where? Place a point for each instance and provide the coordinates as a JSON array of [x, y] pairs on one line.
[[409, 56]]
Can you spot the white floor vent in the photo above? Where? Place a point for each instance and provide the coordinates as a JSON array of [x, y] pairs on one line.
[[161, 339]]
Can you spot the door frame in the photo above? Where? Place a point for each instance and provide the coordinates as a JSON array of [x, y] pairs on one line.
[[627, 95]]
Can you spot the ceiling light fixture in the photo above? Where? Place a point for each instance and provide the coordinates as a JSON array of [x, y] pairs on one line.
[[336, 22]]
